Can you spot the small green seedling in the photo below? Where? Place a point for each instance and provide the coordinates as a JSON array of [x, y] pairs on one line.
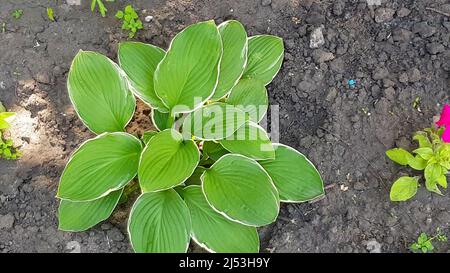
[[50, 14], [424, 242], [131, 21], [432, 157], [7, 148], [101, 7], [209, 173], [17, 13]]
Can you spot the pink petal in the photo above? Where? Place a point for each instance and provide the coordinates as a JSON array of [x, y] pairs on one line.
[[445, 117], [446, 135]]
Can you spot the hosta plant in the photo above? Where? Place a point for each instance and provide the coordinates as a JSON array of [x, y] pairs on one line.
[[432, 156], [210, 173]]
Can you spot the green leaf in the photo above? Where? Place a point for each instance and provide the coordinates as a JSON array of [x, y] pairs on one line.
[[213, 122], [80, 216], [442, 181], [148, 135], [422, 138], [167, 161], [99, 92], [50, 14], [2, 107], [93, 3], [102, 8], [119, 15], [187, 76], [160, 119], [240, 189], [99, 166], [250, 96], [214, 150], [195, 179], [423, 237], [404, 188], [139, 61], [3, 117], [432, 173], [265, 56], [234, 57], [213, 231], [129, 9], [295, 177], [399, 156], [426, 152], [159, 223], [417, 162], [251, 141]]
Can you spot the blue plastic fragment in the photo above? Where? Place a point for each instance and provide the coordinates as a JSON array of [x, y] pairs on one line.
[[351, 83]]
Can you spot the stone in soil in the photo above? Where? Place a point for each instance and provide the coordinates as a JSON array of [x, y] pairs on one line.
[[6, 221], [384, 15], [316, 40]]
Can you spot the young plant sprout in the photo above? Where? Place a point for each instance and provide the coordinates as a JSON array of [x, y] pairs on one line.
[[101, 7], [424, 243], [130, 20], [210, 173], [17, 13], [432, 157], [7, 148]]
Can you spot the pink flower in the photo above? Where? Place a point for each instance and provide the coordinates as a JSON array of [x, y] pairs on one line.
[[444, 121]]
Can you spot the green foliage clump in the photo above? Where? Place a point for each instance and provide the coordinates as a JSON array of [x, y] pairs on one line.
[[424, 242], [432, 157], [17, 13], [131, 21], [7, 148], [209, 173]]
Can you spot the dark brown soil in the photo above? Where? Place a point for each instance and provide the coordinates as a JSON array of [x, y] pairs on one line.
[[396, 52]]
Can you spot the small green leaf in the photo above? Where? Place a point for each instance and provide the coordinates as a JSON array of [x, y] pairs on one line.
[[234, 57], [295, 177], [99, 166], [422, 138], [442, 181], [265, 56], [80, 216], [160, 120], [426, 153], [432, 173], [213, 231], [195, 179], [251, 141], [99, 92], [159, 223], [250, 96], [213, 122], [50, 14], [2, 108], [417, 162], [187, 75], [167, 161], [119, 14], [214, 150], [148, 135], [4, 124], [404, 188], [240, 189], [129, 9], [399, 155]]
